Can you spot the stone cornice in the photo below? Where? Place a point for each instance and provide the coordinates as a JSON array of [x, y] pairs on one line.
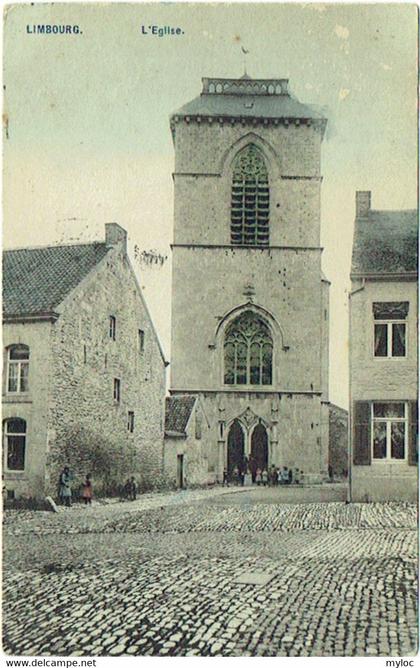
[[259, 248], [285, 177], [386, 276], [316, 123], [256, 390]]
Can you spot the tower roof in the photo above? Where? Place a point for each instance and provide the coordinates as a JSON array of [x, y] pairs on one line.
[[246, 97]]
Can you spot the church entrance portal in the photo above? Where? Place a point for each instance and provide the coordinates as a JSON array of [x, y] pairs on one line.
[[235, 450], [259, 447]]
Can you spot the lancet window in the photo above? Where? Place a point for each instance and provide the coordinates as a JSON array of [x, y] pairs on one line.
[[250, 203]]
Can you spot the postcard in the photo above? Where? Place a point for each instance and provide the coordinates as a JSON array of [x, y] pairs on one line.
[[210, 350]]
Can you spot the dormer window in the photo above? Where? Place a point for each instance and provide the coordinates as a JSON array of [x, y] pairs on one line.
[[250, 199]]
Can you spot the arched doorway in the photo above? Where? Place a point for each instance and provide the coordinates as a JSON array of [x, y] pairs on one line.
[[235, 449], [259, 446]]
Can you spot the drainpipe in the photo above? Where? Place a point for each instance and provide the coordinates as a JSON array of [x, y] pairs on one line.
[[350, 420]]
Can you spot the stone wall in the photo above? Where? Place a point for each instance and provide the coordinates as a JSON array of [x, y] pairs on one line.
[[203, 158], [31, 406], [286, 283], [84, 417]]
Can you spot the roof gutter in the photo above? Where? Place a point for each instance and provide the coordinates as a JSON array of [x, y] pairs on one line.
[[47, 316]]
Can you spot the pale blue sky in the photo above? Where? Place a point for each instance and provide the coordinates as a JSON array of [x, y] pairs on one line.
[[89, 139]]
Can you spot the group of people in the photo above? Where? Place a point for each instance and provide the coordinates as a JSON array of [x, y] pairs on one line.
[[262, 476], [129, 489], [65, 488]]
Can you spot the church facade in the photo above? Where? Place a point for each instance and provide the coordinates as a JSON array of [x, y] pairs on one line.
[[250, 304]]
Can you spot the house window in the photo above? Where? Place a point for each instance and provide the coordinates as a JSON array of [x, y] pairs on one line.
[[389, 430], [15, 443], [117, 389], [250, 199], [17, 368], [130, 422], [112, 327], [390, 329], [141, 340], [248, 351]]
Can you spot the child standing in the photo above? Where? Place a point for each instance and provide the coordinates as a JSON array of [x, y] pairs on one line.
[[87, 491]]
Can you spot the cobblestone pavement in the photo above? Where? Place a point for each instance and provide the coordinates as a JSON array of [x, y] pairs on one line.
[[162, 579]]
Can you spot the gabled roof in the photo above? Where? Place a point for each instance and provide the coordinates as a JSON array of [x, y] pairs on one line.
[[36, 280], [385, 242], [178, 411]]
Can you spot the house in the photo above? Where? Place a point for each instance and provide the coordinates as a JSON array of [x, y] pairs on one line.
[[84, 373], [383, 354], [187, 441], [250, 303]]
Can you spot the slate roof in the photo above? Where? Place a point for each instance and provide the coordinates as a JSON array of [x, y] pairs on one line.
[[248, 105], [36, 280], [177, 413], [275, 106], [385, 242]]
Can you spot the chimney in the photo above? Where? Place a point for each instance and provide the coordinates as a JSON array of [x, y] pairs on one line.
[[115, 235], [362, 203]]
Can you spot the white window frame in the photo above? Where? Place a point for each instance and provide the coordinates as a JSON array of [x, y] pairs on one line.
[[6, 435], [18, 364], [388, 421], [389, 354]]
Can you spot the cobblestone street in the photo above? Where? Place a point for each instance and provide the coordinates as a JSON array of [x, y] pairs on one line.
[[161, 576]]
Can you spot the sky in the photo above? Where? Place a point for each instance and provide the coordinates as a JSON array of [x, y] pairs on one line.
[[86, 121]]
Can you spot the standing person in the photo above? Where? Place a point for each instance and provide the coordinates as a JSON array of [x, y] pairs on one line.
[[285, 476], [264, 477], [225, 478], [258, 477], [235, 474], [279, 478], [87, 490], [290, 476], [253, 468], [297, 477], [273, 475], [65, 486], [133, 490], [127, 489]]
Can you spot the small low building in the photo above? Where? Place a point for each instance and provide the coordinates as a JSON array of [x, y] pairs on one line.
[[84, 374], [384, 354], [187, 433]]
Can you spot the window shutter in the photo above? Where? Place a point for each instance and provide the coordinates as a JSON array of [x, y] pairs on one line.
[[413, 434], [361, 433]]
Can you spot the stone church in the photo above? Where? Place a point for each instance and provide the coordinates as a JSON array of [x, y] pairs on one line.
[[250, 307]]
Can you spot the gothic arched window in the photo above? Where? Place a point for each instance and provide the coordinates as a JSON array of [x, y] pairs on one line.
[[248, 351], [250, 199]]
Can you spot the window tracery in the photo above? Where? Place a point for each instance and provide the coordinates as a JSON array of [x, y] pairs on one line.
[[248, 351], [250, 202]]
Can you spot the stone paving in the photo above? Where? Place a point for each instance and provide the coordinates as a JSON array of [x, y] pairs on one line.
[[162, 579]]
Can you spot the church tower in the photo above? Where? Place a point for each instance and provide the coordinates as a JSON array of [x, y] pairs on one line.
[[250, 305]]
